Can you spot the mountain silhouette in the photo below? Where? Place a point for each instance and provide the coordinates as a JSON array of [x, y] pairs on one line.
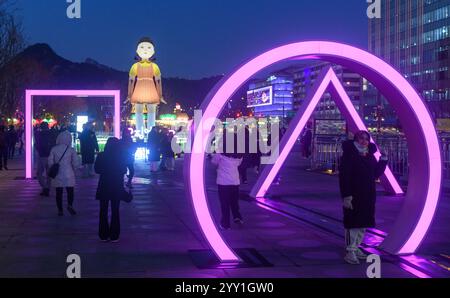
[[39, 67]]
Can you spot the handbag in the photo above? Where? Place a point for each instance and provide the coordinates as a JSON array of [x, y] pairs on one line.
[[127, 196], [54, 169]]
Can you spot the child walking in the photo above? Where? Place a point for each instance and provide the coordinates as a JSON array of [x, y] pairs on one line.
[[228, 185]]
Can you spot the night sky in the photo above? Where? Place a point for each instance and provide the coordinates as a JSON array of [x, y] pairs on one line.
[[194, 38]]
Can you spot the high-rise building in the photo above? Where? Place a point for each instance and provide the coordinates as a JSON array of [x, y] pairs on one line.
[[413, 36], [272, 97], [282, 93], [305, 77]]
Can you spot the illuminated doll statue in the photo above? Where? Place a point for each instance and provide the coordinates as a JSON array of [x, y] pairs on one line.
[[145, 87]]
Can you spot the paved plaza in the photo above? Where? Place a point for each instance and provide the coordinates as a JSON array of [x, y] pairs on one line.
[[298, 231]]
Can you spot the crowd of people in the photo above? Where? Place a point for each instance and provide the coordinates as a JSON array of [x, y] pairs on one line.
[[358, 173], [161, 154], [10, 138], [55, 147]]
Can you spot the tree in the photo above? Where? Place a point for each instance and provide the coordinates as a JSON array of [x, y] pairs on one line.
[[11, 43]]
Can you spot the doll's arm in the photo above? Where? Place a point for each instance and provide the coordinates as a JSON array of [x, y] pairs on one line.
[[130, 87], [159, 89]]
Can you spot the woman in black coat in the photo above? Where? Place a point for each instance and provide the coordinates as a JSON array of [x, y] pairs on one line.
[[111, 166], [88, 147], [358, 173]]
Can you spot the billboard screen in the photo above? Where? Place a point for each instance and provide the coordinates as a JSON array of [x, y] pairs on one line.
[[260, 97]]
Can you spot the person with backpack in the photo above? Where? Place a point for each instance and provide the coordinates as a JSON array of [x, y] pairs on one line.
[[44, 142], [63, 157]]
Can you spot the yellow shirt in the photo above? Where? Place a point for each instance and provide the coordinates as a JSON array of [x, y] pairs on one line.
[[133, 70]]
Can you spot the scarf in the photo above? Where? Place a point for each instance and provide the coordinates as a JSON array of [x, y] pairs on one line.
[[361, 149]]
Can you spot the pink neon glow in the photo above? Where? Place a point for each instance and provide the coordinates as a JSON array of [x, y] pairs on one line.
[[81, 93], [403, 238]]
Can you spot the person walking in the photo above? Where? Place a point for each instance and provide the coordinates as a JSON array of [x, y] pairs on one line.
[[168, 155], [3, 148], [44, 142], [20, 136], [358, 172], [228, 185], [66, 156], [154, 147], [88, 148], [12, 141], [111, 166], [129, 149]]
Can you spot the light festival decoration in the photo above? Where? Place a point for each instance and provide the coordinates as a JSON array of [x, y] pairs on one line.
[[425, 179], [29, 94], [145, 87]]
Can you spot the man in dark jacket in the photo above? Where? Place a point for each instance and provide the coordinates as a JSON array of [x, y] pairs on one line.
[[3, 149], [358, 172], [44, 142], [12, 141], [88, 148]]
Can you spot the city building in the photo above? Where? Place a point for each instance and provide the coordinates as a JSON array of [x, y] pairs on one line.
[[283, 92], [272, 97], [413, 36], [305, 77]]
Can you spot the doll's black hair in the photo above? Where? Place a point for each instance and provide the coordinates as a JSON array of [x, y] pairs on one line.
[[146, 39]]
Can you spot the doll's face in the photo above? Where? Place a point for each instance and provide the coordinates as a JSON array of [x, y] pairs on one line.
[[145, 50]]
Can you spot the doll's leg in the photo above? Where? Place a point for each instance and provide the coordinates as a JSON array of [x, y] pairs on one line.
[[140, 118], [151, 116]]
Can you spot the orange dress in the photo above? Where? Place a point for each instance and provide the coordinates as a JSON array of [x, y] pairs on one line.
[[145, 91]]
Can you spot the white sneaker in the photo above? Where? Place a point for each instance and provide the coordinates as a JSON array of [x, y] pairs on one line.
[[351, 258], [360, 254]]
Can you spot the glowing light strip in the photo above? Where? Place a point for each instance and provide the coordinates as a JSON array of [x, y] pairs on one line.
[[79, 93]]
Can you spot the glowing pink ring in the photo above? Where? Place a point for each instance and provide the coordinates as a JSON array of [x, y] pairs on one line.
[[424, 152]]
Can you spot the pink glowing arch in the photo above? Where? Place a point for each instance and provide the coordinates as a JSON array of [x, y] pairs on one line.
[[424, 152], [76, 93]]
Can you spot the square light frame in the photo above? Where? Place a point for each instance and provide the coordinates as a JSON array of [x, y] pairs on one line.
[[29, 93]]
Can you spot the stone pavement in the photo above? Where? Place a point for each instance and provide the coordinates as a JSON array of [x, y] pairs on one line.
[[158, 229]]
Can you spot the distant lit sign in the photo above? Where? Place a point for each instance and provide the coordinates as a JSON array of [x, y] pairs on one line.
[[330, 127], [260, 97], [443, 124], [81, 120]]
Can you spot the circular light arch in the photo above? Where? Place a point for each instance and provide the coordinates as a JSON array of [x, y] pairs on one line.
[[425, 178]]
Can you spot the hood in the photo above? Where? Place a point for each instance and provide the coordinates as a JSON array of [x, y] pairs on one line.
[[348, 146], [64, 138]]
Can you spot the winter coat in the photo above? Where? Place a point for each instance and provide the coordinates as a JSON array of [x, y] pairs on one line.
[[3, 140], [357, 176], [68, 164], [111, 168], [129, 149], [45, 140], [154, 141], [227, 169], [88, 146], [12, 137]]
